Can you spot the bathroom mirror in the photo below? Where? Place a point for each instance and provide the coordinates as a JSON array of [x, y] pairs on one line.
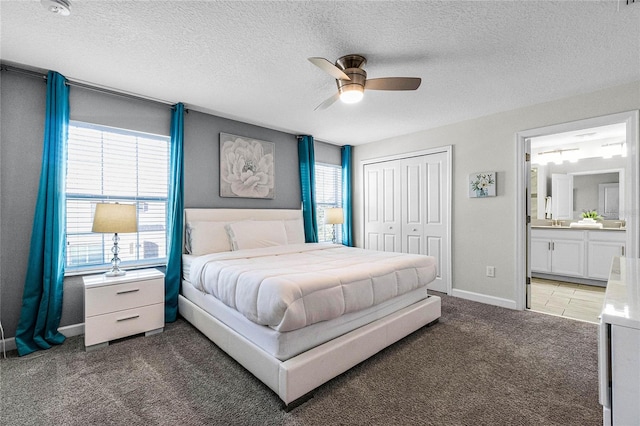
[[600, 190]]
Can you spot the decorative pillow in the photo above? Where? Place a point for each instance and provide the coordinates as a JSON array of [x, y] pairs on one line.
[[295, 231], [206, 237], [256, 234]]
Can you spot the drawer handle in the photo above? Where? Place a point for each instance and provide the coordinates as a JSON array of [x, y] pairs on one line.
[[128, 291], [128, 318]]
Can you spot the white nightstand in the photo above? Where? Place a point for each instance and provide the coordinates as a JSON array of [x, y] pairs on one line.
[[116, 307]]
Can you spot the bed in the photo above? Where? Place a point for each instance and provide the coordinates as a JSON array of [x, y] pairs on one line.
[[296, 315]]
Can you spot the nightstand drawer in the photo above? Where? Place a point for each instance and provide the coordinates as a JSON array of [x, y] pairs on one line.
[[118, 297], [102, 328]]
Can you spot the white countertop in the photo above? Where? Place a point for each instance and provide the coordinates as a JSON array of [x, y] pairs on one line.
[[135, 275], [576, 228], [622, 298]]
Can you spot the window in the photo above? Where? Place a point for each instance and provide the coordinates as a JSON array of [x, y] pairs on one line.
[[106, 164], [328, 181]]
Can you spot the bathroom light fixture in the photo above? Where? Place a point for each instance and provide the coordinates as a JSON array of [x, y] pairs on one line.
[[615, 148], [558, 151], [59, 7], [586, 135], [557, 156]]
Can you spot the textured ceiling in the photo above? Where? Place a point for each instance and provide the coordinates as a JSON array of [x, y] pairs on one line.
[[247, 60]]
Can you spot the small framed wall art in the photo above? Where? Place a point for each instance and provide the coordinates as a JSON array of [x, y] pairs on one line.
[[482, 184], [246, 167]]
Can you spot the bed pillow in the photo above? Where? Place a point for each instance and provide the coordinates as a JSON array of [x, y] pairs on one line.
[[207, 237], [295, 231], [256, 234]]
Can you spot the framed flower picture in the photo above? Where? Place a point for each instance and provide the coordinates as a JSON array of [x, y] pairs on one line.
[[482, 184], [246, 167]]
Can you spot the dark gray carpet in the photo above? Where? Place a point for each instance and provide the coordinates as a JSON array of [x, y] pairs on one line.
[[480, 365]]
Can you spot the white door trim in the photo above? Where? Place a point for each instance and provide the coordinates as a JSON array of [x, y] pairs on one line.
[[630, 118], [448, 150]]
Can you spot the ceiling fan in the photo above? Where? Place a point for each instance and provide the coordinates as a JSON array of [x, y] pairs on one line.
[[352, 79]]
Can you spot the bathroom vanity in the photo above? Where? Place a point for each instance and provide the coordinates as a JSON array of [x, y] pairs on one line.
[[575, 254]]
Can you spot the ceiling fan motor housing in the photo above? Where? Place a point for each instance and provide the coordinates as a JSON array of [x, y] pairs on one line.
[[351, 61], [358, 77], [352, 65]]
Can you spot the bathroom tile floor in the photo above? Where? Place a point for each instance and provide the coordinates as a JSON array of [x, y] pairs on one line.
[[577, 301]]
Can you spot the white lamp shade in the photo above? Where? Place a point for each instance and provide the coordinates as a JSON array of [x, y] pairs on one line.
[[115, 218], [334, 216]]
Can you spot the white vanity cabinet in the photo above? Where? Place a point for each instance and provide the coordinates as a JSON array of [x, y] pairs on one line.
[[602, 247], [576, 253], [558, 252], [619, 345]]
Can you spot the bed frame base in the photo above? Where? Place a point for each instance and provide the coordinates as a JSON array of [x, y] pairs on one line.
[[297, 377]]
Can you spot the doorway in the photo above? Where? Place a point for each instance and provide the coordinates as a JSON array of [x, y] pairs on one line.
[[560, 250]]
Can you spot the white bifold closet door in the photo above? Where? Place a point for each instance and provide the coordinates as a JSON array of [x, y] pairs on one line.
[[406, 209], [382, 206]]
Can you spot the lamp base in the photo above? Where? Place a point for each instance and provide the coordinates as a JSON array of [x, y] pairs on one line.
[[115, 261], [117, 273]]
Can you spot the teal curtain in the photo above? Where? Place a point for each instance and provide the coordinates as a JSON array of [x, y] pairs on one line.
[[175, 218], [307, 161], [44, 283], [347, 206]]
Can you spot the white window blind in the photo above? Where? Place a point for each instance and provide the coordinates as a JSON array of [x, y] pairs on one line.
[[106, 164], [328, 180]]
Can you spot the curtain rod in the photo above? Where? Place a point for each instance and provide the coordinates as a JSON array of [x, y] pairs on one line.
[[114, 92], [88, 86]]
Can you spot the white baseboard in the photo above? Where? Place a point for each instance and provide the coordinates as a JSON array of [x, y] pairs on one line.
[[483, 298], [9, 344], [72, 330], [67, 331]]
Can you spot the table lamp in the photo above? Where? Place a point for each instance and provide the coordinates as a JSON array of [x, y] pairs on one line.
[[115, 218], [334, 216]]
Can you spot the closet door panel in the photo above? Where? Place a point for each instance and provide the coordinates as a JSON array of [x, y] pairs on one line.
[[413, 244], [412, 210], [436, 227], [434, 191], [382, 209], [413, 202], [434, 248]]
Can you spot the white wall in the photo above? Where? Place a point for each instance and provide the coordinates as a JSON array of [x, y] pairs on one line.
[[483, 230]]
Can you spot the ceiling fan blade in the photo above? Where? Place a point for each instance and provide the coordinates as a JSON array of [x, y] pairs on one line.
[[393, 83], [328, 67], [326, 104]]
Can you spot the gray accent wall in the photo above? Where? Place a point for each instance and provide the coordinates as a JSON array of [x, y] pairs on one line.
[[202, 163], [23, 101]]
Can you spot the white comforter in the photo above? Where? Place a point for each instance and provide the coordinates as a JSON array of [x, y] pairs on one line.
[[290, 287]]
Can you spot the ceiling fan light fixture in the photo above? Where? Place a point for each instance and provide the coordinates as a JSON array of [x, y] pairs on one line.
[[351, 80], [59, 7], [351, 93]]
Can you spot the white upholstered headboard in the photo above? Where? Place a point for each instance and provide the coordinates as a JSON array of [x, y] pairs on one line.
[[236, 215]]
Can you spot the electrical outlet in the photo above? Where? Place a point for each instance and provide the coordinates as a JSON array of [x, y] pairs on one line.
[[491, 271]]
